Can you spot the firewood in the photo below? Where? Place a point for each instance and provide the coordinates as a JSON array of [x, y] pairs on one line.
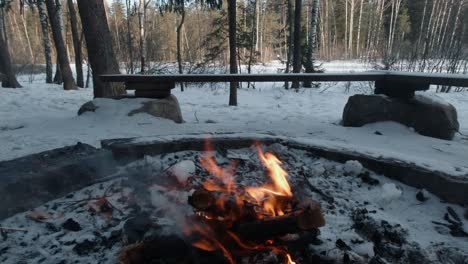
[[301, 220], [202, 199], [311, 215]]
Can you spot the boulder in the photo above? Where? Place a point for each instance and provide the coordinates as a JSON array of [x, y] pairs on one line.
[[429, 116], [167, 108], [164, 108], [87, 107]]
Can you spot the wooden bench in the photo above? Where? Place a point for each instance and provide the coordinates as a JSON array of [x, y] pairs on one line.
[[394, 84]]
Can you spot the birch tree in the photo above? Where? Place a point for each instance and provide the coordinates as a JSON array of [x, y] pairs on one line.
[[45, 40], [142, 5]]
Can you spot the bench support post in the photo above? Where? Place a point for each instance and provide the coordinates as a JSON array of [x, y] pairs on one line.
[[151, 90], [399, 89]]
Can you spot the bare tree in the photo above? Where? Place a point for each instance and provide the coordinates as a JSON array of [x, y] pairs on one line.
[[99, 45], [297, 53], [129, 34], [45, 40], [76, 44], [232, 49], [9, 79], [64, 64], [309, 65], [179, 40], [358, 41], [290, 41], [142, 26]]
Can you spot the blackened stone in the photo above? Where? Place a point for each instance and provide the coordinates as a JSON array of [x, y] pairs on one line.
[[85, 247], [342, 245], [52, 227], [453, 214], [466, 214], [420, 196], [135, 228], [166, 249], [87, 107], [429, 117], [71, 225], [366, 178], [114, 237]]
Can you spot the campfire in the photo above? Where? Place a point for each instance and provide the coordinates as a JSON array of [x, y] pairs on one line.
[[217, 202], [246, 222]]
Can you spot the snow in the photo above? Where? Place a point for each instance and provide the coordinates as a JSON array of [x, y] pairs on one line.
[[388, 200], [352, 167], [183, 170], [40, 117]]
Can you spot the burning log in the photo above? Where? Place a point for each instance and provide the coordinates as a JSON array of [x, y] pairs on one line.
[[308, 219], [202, 200]]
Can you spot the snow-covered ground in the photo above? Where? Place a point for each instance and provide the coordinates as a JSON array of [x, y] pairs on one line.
[[41, 117]]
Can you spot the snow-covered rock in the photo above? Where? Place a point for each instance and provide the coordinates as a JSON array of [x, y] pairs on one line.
[[428, 116], [352, 167], [183, 170], [389, 193]]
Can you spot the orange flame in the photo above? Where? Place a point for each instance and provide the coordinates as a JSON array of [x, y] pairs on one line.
[[268, 193], [271, 199]]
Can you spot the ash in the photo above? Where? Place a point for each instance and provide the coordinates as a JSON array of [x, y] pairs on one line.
[[369, 218]]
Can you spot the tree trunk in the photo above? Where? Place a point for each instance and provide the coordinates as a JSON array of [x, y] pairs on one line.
[[76, 44], [358, 41], [141, 22], [99, 45], [297, 56], [45, 41], [311, 52], [346, 29], [179, 44], [455, 26], [252, 41], [64, 64], [290, 39], [9, 80], [351, 28], [28, 40], [232, 50], [129, 37]]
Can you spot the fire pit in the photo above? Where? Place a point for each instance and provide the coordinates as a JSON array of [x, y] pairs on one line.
[[261, 202]]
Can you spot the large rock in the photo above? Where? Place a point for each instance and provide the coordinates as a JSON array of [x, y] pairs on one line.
[[429, 116], [165, 108]]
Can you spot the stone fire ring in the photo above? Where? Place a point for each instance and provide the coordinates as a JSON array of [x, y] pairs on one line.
[[30, 181]]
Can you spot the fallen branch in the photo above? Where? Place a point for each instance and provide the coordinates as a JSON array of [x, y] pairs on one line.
[[12, 229]]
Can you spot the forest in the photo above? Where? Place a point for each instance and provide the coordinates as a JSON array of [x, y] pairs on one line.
[[164, 36]]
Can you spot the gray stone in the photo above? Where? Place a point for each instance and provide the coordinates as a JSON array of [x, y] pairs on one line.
[[164, 108], [428, 116], [87, 107]]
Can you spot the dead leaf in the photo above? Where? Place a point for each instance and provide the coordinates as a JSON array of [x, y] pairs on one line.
[[39, 216]]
